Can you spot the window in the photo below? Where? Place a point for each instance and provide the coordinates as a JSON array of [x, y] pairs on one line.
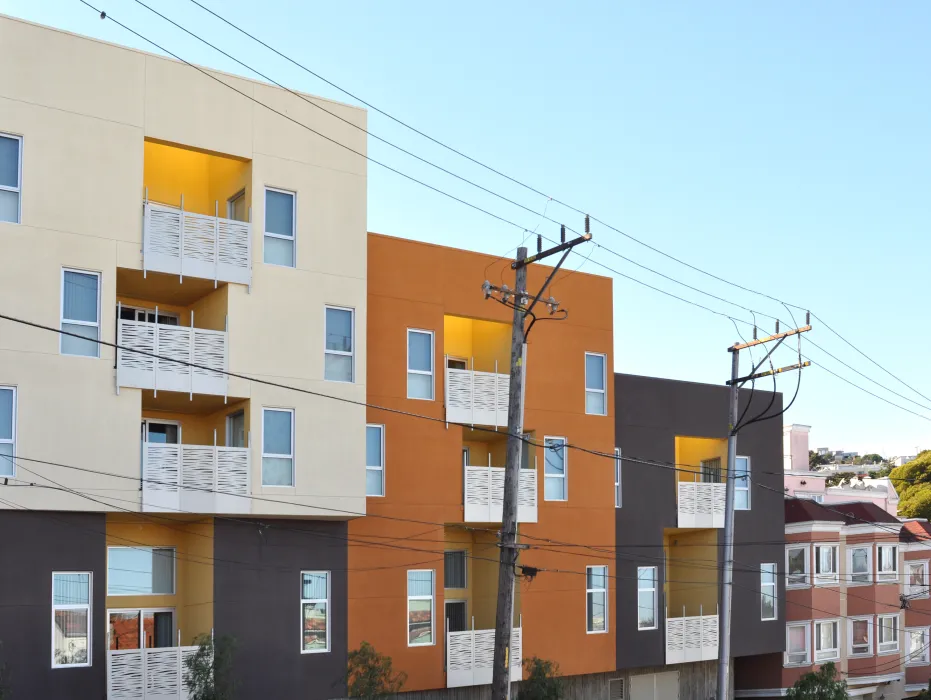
[[419, 608], [236, 207], [767, 591], [596, 402], [11, 156], [236, 429], [798, 637], [916, 586], [617, 477], [554, 469], [816, 497], [858, 561], [420, 365], [861, 636], [7, 430], [279, 227], [140, 571], [827, 645], [138, 313], [742, 483], [711, 471], [315, 605], [71, 619], [887, 639], [797, 566], [646, 598], [825, 564], [887, 563], [596, 598], [916, 642], [338, 353], [80, 313], [141, 629], [374, 460], [454, 569], [277, 447]]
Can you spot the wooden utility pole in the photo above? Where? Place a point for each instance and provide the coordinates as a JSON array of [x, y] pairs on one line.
[[523, 304], [727, 572]]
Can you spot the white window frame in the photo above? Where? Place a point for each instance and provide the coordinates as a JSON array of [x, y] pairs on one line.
[[592, 591], [278, 456], [887, 575], [743, 488], [618, 494], [431, 598], [831, 578], [19, 179], [655, 602], [773, 594], [889, 648], [604, 382], [174, 570], [807, 573], [315, 600], [341, 353], [869, 636], [925, 658], [12, 440], [810, 495], [61, 313], [820, 654], [269, 234], [869, 565], [807, 636], [910, 591], [142, 612], [381, 469], [137, 310], [565, 471], [83, 606], [410, 371]]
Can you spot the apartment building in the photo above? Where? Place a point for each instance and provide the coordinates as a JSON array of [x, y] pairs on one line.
[[145, 204], [849, 600], [672, 440]]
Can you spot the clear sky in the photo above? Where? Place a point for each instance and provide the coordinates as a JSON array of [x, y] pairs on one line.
[[785, 146]]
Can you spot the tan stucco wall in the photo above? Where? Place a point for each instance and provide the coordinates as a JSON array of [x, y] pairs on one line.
[[85, 110]]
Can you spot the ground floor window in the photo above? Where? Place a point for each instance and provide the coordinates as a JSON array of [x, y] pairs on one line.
[[140, 629], [315, 608]]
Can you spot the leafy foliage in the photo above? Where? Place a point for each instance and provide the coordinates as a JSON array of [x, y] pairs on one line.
[[821, 685], [815, 460], [208, 672], [871, 458], [912, 481], [543, 682], [370, 676]]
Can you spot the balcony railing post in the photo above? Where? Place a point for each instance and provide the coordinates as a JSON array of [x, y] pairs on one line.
[[190, 354], [216, 242], [216, 463], [181, 241], [146, 222], [155, 359]]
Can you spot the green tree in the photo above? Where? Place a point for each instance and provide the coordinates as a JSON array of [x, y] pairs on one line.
[[208, 672], [543, 682], [821, 685], [912, 481], [815, 460], [871, 458], [369, 674]]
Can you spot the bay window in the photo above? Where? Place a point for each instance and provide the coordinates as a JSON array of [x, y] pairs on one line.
[[797, 566], [861, 636], [887, 563], [798, 640], [858, 560], [887, 637], [827, 642], [826, 564]]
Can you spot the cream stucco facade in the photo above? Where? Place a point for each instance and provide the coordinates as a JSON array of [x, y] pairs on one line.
[[85, 111]]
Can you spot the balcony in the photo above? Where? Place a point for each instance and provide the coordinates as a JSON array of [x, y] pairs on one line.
[[195, 478], [174, 345], [701, 504], [196, 245], [484, 494], [691, 639], [476, 398], [470, 657], [148, 674]]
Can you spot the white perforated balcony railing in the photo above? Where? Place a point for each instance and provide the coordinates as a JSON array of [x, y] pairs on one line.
[[691, 639], [182, 243], [470, 657], [148, 674], [186, 344], [476, 398], [484, 495], [195, 478], [701, 504]]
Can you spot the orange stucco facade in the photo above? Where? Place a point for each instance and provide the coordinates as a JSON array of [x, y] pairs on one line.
[[415, 285]]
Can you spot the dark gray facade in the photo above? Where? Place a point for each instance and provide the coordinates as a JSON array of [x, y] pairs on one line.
[[257, 593], [35, 544], [649, 414]]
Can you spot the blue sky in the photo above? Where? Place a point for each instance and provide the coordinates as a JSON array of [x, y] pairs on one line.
[[784, 146]]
